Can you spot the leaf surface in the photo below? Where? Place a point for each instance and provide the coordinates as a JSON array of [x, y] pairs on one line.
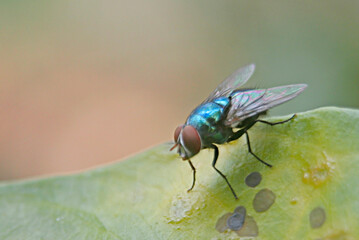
[[315, 160]]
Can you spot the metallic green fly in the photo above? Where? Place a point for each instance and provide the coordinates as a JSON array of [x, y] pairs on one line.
[[227, 114]]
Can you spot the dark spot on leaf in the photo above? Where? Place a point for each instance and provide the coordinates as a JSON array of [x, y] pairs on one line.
[[249, 229], [240, 210], [317, 217], [221, 224], [253, 179], [239, 222], [236, 220], [263, 200]]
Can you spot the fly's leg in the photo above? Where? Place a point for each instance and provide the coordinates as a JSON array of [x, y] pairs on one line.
[[194, 175], [269, 123], [240, 132], [237, 135], [216, 153], [281, 122], [250, 151]]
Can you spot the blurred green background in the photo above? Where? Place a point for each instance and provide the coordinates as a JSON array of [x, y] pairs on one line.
[[89, 82]]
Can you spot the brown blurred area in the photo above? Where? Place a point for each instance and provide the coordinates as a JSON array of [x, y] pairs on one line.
[[85, 82], [83, 85]]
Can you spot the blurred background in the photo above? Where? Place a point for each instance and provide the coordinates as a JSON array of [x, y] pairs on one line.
[[84, 83]]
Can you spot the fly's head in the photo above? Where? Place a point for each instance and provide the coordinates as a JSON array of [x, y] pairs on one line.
[[188, 141]]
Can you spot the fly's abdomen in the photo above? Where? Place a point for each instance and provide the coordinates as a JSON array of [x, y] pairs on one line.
[[207, 119]]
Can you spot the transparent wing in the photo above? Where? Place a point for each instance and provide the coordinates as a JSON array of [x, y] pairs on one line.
[[233, 82], [248, 103]]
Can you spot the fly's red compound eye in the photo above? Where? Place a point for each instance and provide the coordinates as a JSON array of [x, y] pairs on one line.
[[191, 139], [177, 132]]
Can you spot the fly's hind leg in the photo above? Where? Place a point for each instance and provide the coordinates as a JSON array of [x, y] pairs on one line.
[[269, 123], [281, 122]]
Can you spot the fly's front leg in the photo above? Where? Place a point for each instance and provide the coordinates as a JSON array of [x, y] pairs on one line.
[[194, 175], [216, 153], [250, 151], [281, 122]]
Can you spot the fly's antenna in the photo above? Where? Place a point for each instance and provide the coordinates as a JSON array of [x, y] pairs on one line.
[[174, 146]]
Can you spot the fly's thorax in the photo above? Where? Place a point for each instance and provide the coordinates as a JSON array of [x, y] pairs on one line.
[[207, 119]]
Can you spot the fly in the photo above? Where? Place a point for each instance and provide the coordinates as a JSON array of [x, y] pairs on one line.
[[226, 115]]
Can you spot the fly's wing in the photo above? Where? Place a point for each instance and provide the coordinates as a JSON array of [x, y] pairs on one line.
[[248, 103], [231, 83]]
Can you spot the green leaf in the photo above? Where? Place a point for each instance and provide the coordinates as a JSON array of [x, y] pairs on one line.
[[310, 193]]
